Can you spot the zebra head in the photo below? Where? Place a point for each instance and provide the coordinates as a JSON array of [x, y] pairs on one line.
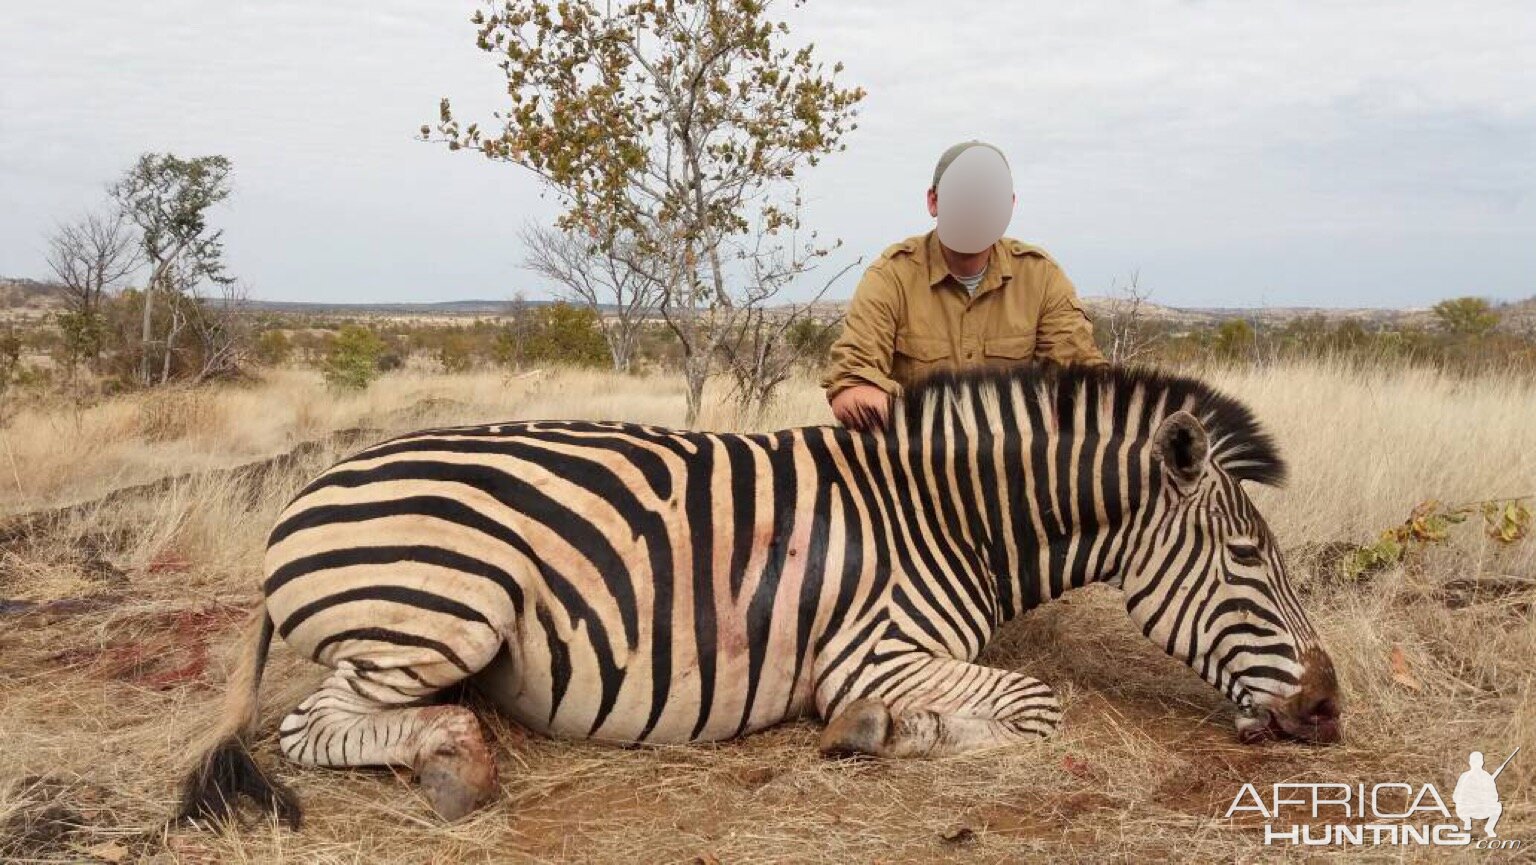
[[1207, 582]]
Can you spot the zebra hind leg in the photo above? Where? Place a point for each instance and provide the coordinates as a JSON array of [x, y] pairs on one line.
[[366, 714], [955, 707]]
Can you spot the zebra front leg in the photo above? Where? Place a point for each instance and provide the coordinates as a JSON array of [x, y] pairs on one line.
[[362, 715], [936, 707]]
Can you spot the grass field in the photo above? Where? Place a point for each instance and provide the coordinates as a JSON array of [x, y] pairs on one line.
[[135, 531]]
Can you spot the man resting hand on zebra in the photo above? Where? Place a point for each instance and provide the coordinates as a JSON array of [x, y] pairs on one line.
[[631, 584]]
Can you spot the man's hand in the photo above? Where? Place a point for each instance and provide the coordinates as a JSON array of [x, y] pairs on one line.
[[861, 407]]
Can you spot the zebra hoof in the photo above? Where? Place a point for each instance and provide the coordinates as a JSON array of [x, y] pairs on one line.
[[457, 777], [862, 728]]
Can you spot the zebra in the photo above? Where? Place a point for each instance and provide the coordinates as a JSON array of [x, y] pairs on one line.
[[633, 584]]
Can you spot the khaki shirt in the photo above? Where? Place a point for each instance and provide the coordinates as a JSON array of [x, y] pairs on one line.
[[910, 317]]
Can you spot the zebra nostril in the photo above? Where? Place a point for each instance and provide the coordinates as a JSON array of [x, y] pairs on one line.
[[1323, 709]]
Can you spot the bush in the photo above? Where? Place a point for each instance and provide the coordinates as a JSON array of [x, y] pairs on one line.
[[353, 360], [456, 352], [811, 341], [1467, 316], [273, 348], [557, 333]]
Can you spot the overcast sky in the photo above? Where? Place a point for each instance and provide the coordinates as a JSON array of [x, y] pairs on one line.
[[1235, 154]]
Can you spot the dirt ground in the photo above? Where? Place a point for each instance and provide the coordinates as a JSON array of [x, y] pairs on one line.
[[117, 616]]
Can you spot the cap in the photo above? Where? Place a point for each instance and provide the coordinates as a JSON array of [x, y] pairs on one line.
[[956, 150]]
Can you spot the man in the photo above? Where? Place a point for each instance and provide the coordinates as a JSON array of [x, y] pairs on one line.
[[1477, 796], [957, 297]]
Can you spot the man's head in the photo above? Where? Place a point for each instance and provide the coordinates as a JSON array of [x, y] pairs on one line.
[[975, 186], [1475, 759]]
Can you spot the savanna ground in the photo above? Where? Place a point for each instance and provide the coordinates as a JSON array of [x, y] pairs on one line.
[[132, 552]]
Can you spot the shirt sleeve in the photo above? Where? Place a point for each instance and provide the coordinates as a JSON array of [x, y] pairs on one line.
[[1065, 332], [862, 353]]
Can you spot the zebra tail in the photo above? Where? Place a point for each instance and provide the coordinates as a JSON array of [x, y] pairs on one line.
[[226, 770]]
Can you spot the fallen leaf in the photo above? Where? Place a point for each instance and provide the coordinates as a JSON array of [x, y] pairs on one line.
[[1401, 673], [1077, 767]]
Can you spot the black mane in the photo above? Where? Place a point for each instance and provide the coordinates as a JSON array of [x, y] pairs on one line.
[[1239, 444]]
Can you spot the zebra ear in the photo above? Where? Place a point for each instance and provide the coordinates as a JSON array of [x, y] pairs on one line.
[[1183, 448]]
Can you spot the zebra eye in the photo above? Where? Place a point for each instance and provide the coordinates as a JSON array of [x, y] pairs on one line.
[[1244, 554]]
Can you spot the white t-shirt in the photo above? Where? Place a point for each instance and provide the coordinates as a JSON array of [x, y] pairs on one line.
[[970, 282]]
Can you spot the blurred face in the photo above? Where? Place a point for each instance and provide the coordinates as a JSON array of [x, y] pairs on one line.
[[1210, 587], [973, 201]]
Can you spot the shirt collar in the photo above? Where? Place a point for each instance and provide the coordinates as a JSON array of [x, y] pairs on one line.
[[938, 268]]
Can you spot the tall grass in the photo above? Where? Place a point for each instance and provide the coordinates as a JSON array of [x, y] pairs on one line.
[[99, 701]]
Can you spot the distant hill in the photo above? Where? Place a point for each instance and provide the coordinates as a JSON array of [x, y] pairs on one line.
[[1268, 314], [445, 307], [30, 295]]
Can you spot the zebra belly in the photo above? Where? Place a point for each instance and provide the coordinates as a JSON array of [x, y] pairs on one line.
[[564, 702]]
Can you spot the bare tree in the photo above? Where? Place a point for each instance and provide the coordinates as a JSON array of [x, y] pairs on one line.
[[754, 342], [1130, 339], [623, 297], [91, 258], [221, 329]]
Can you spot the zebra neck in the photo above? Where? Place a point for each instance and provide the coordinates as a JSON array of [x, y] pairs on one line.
[[1043, 509]]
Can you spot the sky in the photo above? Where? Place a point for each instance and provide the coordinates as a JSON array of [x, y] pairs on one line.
[[1227, 154]]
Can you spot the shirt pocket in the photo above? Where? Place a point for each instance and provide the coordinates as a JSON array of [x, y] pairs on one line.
[[1009, 349], [926, 349], [917, 357]]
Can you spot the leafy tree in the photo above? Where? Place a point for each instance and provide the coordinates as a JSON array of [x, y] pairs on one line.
[[667, 129], [353, 361], [1467, 316], [168, 198]]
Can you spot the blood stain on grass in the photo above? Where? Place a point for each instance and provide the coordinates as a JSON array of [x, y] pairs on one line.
[[159, 651]]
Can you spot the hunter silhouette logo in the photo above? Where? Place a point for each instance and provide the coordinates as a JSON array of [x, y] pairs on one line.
[[1477, 796], [1390, 813]]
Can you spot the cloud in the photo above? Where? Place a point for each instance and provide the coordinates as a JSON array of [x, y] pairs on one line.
[[1342, 154]]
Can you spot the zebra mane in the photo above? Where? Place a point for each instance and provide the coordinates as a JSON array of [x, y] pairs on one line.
[[1239, 444]]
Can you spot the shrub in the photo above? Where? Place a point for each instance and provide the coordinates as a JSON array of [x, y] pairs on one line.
[[353, 360], [273, 348], [456, 352], [1466, 316], [556, 333]]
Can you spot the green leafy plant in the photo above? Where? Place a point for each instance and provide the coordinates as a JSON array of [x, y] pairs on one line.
[[353, 361], [1430, 522]]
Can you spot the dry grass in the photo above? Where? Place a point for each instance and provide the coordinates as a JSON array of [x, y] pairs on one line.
[[114, 667]]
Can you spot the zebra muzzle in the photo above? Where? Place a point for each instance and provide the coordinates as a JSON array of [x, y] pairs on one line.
[[1312, 714]]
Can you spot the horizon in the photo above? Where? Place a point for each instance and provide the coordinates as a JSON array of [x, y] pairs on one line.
[[1497, 303], [1235, 158]]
